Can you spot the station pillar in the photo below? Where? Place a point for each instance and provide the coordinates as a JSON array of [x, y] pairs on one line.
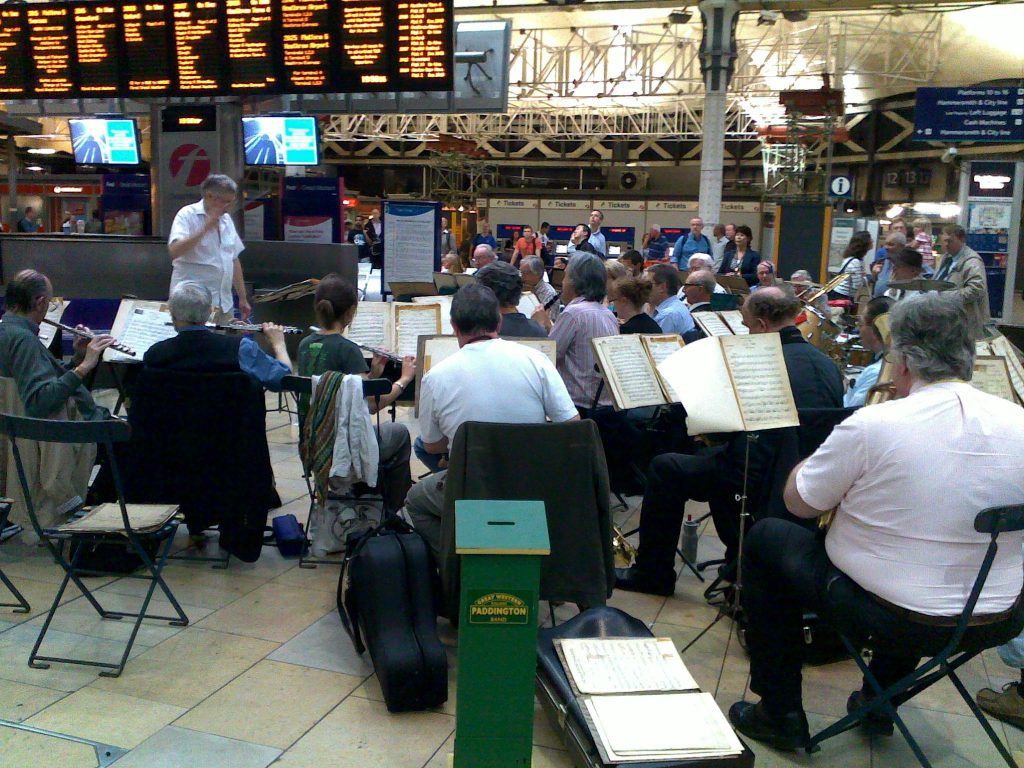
[[717, 62]]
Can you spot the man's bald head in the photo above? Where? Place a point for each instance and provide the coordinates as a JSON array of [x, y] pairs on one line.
[[771, 309]]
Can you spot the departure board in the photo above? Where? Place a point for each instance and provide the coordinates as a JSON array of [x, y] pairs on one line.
[[96, 40], [146, 48], [13, 66], [51, 49], [250, 30]]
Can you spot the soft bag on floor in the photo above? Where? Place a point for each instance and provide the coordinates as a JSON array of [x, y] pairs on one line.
[[387, 600], [288, 533]]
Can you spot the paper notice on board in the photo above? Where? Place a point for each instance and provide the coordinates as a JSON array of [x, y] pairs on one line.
[[410, 242]]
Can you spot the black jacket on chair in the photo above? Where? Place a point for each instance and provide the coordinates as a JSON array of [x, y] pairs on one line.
[[199, 440], [515, 461]]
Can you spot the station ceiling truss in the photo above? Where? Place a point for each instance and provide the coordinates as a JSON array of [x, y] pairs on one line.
[[615, 94]]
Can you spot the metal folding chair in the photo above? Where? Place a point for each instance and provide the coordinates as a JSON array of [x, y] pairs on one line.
[[22, 605], [953, 655], [303, 385], [106, 524]]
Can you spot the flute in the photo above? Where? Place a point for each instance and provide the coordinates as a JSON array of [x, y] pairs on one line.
[[247, 327], [119, 347], [382, 352]]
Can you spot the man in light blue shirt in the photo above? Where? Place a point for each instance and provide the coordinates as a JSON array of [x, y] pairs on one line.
[[869, 339], [597, 238], [695, 241], [670, 313]]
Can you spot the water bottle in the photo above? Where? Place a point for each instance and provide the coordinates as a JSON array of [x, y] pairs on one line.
[[688, 543]]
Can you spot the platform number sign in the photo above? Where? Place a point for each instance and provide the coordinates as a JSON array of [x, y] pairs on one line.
[[841, 186]]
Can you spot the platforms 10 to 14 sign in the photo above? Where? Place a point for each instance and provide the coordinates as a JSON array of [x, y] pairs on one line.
[[223, 47]]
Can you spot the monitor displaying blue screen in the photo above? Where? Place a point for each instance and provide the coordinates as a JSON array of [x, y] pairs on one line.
[[281, 140], [104, 141]]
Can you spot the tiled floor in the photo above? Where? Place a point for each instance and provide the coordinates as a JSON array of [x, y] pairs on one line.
[[264, 674]]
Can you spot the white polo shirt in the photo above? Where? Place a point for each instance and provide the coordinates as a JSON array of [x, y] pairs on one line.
[[496, 381], [211, 261], [908, 477]]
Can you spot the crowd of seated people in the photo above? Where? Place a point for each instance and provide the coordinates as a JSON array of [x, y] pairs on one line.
[[884, 563]]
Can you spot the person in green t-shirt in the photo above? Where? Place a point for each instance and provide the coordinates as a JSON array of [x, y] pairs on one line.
[[335, 304]]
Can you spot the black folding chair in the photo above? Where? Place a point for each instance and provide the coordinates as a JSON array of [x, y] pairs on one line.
[[22, 605], [953, 655], [100, 526], [375, 388]]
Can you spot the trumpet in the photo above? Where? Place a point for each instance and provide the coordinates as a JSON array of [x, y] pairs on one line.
[[119, 347]]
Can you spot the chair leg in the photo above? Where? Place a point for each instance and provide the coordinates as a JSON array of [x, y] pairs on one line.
[[22, 605], [996, 741]]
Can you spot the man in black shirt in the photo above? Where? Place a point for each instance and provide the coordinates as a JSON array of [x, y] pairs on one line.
[[716, 476], [507, 284]]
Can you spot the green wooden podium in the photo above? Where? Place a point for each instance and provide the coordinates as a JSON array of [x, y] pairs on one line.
[[500, 544]]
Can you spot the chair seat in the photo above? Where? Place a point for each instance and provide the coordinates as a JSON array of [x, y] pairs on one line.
[[106, 518]]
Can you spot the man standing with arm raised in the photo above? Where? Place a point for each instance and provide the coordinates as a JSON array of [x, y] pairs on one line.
[[204, 248]]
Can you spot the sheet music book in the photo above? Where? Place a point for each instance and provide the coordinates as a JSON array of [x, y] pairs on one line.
[[413, 321], [289, 292], [48, 332], [139, 325], [624, 665], [464, 278], [734, 319], [394, 326], [528, 303], [628, 363], [144, 517], [733, 284], [992, 375], [445, 302], [1001, 347], [712, 324], [547, 347], [670, 726], [732, 384], [412, 289]]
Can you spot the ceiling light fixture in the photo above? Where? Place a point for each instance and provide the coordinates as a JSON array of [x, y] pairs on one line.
[[42, 151], [680, 17], [795, 15]]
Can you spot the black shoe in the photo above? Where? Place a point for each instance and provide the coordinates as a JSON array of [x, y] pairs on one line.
[[873, 723], [788, 732], [632, 579]]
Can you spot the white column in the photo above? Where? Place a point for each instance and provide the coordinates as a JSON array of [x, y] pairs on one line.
[[718, 57]]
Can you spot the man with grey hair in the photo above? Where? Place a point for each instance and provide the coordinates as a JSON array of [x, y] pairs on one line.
[[532, 270], [583, 318], [700, 262], [901, 554], [483, 255], [204, 247], [197, 349]]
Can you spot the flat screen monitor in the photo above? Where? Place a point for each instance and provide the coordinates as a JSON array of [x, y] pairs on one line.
[[281, 140], [104, 141]]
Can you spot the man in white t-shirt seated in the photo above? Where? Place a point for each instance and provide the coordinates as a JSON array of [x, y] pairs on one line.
[[464, 388], [901, 554]]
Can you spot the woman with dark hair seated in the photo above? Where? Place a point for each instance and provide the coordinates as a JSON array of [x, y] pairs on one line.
[[335, 304]]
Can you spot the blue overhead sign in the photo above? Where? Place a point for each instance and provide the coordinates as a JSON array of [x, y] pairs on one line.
[[969, 114]]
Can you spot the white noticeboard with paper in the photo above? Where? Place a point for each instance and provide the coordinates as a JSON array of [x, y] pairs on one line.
[[412, 246]]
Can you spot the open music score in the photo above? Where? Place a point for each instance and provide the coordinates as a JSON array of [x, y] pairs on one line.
[[96, 42], [147, 48], [13, 65], [250, 28], [306, 44], [50, 48], [196, 46], [222, 47]]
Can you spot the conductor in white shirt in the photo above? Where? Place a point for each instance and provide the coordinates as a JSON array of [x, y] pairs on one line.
[[204, 248], [901, 554]]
